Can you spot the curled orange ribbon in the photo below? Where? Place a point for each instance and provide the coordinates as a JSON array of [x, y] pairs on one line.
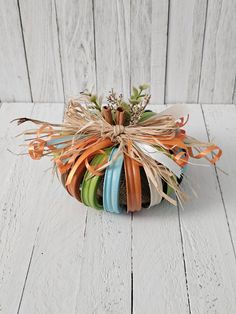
[[36, 148], [209, 150]]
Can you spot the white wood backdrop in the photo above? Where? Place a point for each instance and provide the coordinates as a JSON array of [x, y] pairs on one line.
[[52, 49]]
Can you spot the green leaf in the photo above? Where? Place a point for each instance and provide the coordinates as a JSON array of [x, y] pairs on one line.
[[93, 98], [144, 86], [135, 92], [125, 107]]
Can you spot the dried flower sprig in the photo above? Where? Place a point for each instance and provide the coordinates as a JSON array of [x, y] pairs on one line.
[[113, 100], [133, 109], [139, 100]]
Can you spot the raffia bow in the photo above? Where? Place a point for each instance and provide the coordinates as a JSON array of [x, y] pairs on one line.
[[85, 133]]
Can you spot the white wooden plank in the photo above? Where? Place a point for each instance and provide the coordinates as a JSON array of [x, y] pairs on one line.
[[158, 268], [185, 40], [112, 39], [55, 270], [12, 274], [14, 84], [57, 246], [25, 195], [158, 50], [209, 256], [140, 42], [105, 285], [69, 273], [148, 40], [8, 142], [76, 36], [78, 267], [234, 92], [42, 49], [220, 121], [219, 55]]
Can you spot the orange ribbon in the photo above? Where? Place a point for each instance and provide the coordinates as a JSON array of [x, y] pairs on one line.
[[207, 151], [80, 152], [36, 148], [88, 152]]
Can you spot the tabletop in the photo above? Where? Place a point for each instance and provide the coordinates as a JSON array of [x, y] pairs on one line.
[[58, 256]]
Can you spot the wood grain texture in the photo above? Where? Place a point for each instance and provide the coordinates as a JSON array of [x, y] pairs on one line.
[[158, 268], [105, 285], [140, 41], [8, 140], [185, 42], [160, 10], [14, 254], [42, 49], [55, 269], [76, 35], [14, 84], [112, 40], [219, 55], [77, 257], [209, 256], [24, 209], [234, 92], [220, 122], [185, 49]]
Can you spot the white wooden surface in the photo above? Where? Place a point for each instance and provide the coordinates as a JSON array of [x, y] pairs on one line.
[[58, 256], [158, 269], [225, 116], [52, 49], [206, 239]]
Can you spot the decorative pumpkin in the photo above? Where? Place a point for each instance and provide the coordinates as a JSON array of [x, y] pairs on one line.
[[119, 156]]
